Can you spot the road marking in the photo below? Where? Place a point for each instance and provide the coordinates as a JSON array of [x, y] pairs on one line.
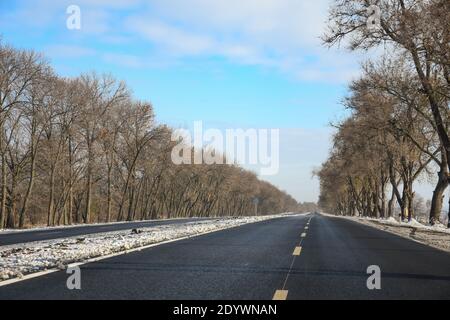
[[27, 277], [306, 228], [297, 251], [280, 295]]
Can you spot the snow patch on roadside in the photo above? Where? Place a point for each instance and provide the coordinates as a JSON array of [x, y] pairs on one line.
[[411, 224], [391, 220], [22, 259]]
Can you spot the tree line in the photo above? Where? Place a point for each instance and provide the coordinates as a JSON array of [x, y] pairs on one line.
[[397, 129], [82, 150]]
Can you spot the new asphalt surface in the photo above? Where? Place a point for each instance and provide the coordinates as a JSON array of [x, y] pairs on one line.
[[256, 262]]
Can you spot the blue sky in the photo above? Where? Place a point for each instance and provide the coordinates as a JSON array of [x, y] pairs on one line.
[[231, 64]]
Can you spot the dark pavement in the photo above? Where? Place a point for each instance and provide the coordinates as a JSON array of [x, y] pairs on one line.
[[252, 262], [58, 233]]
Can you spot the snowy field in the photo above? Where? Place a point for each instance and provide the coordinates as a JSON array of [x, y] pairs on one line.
[[437, 236], [22, 259]]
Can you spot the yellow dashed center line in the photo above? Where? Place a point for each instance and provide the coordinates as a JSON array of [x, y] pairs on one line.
[[282, 294], [297, 251]]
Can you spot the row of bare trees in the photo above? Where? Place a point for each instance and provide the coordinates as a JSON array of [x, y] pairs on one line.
[[83, 150], [398, 128]]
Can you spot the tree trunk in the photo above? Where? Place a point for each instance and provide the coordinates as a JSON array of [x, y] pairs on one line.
[[70, 209], [28, 193], [130, 203], [11, 223], [50, 218], [411, 194], [404, 205], [3, 200], [391, 204], [394, 185], [438, 194], [448, 215], [383, 201], [87, 213], [108, 210]]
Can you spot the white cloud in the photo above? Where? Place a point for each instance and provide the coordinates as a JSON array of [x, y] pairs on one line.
[[292, 23], [96, 14], [275, 33], [280, 34], [170, 38]]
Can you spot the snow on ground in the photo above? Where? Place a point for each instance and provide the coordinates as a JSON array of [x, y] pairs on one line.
[[22, 259], [439, 227], [437, 236]]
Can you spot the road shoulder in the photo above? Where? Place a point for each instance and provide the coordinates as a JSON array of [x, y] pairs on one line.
[[432, 238]]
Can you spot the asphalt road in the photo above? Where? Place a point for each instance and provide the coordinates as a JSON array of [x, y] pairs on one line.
[[255, 261], [58, 233]]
